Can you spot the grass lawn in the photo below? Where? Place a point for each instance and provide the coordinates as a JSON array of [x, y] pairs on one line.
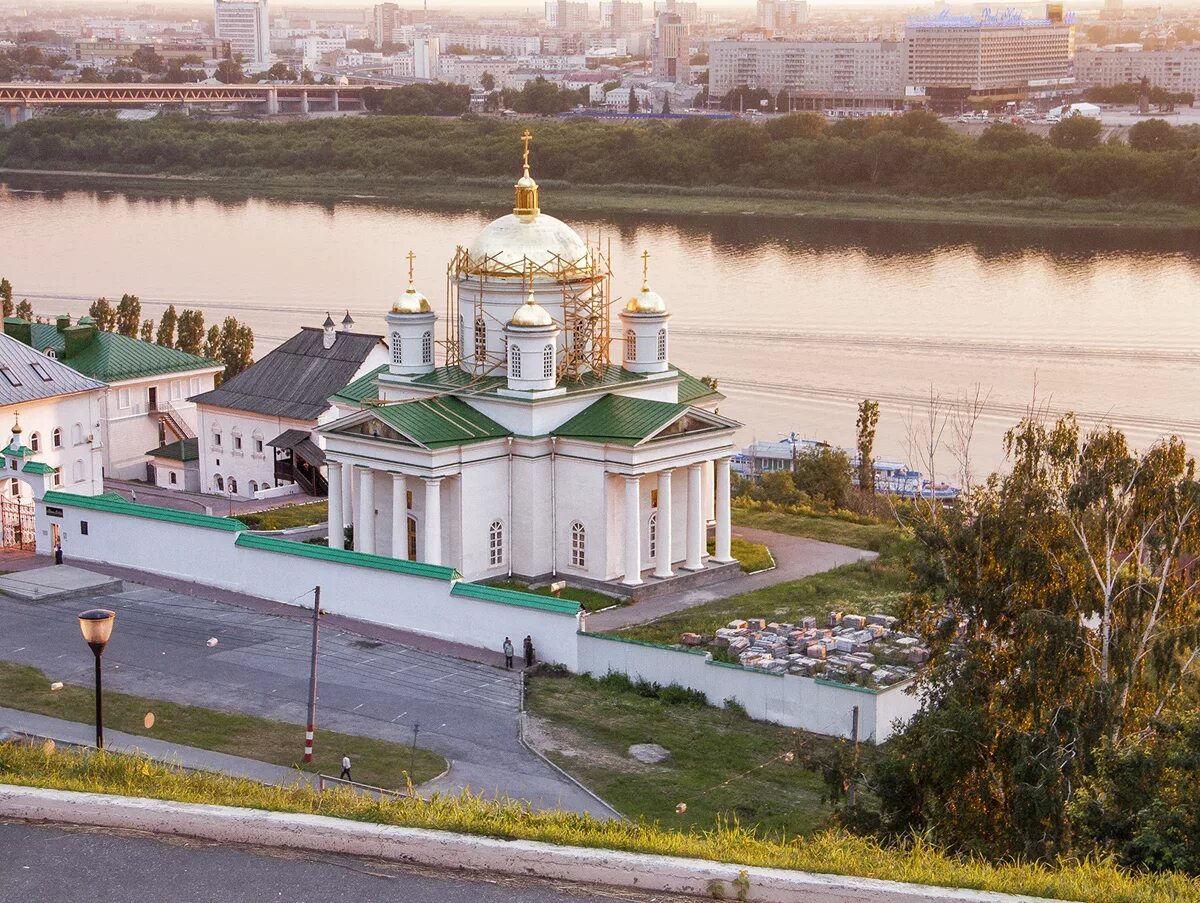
[[291, 516], [873, 537], [376, 762], [590, 599], [708, 746], [751, 556]]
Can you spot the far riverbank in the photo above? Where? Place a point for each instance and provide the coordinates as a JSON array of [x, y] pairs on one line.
[[493, 194]]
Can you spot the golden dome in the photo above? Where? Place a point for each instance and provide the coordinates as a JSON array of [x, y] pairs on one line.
[[531, 314], [412, 301], [16, 430], [646, 301]]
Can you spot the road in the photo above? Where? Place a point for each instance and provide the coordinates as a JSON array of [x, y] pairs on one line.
[[466, 711], [78, 865]]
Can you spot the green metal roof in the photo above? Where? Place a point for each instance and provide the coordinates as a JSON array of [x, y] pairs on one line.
[[111, 357], [36, 467], [692, 390], [117, 505], [346, 556], [620, 419], [183, 450], [362, 389], [457, 378], [487, 593], [439, 422], [22, 451]]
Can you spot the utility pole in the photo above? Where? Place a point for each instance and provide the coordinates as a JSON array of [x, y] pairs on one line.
[[312, 679], [412, 759], [853, 736]]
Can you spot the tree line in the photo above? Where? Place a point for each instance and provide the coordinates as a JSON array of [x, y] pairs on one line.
[[914, 154], [231, 343]]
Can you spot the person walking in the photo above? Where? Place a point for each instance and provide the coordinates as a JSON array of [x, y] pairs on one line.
[[58, 555], [508, 653], [345, 775], [528, 652]]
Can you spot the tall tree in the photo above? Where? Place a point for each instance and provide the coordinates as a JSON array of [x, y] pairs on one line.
[[868, 419], [633, 100], [212, 343], [103, 313], [783, 102], [190, 337], [6, 298], [129, 315], [146, 334], [237, 346], [166, 328], [25, 309], [666, 107]]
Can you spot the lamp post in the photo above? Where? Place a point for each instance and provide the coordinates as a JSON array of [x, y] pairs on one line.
[[96, 625]]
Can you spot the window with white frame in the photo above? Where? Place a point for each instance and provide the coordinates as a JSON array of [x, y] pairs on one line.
[[173, 478], [216, 436], [548, 362], [652, 533], [176, 389], [662, 344], [56, 478], [123, 399], [56, 438], [218, 482], [237, 442], [495, 544], [578, 545], [195, 385], [257, 444], [427, 348], [630, 345], [397, 348], [514, 361], [35, 442]]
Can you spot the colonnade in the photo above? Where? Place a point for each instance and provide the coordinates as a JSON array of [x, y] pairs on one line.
[[342, 478]]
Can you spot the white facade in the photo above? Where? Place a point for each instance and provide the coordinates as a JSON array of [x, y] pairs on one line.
[[1172, 70], [133, 409], [831, 70], [244, 24], [425, 52], [62, 432]]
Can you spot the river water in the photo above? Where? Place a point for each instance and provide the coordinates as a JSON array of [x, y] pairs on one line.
[[798, 318]]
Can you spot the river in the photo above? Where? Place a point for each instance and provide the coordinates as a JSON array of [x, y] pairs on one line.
[[798, 319]]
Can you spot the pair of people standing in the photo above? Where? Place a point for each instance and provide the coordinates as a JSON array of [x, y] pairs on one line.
[[508, 652]]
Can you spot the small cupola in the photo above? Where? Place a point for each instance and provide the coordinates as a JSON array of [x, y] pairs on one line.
[[532, 340], [644, 328], [330, 332], [410, 331], [347, 322]]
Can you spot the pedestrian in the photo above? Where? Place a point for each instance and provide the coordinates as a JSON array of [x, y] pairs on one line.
[[345, 775], [133, 495], [58, 556], [508, 653], [528, 652]]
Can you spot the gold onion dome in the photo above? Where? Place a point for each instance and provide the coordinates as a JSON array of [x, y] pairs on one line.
[[16, 430], [531, 314], [412, 301], [646, 301]]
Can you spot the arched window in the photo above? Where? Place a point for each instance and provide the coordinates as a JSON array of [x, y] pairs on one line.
[[232, 486], [220, 483], [630, 345], [652, 533], [480, 338], [50, 352], [56, 438], [397, 349], [495, 544], [253, 487], [427, 348], [514, 361], [548, 362], [578, 545], [35, 442], [77, 434], [77, 471], [662, 344]]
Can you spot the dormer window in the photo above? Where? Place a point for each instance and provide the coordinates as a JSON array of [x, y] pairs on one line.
[[50, 352]]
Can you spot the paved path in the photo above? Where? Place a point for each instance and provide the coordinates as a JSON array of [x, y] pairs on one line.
[[76, 865], [369, 683], [795, 557], [186, 756], [220, 505]]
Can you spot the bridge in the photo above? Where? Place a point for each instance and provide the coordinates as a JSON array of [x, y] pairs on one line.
[[18, 101]]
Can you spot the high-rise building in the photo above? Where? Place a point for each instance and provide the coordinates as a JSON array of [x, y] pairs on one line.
[[782, 16], [386, 19], [670, 55], [426, 50], [816, 75], [1176, 70], [687, 10], [244, 24], [956, 61], [567, 15], [620, 15]]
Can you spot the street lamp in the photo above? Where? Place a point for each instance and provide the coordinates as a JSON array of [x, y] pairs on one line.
[[96, 625]]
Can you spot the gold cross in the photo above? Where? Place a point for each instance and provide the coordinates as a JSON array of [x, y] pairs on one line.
[[645, 267], [411, 257], [525, 139]]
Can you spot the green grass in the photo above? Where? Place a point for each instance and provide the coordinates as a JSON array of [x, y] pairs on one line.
[[376, 762], [305, 515], [590, 599], [751, 556], [874, 537], [827, 851], [708, 746]]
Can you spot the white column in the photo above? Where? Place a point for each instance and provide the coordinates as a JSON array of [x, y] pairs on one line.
[[662, 536], [399, 515], [722, 552], [364, 526], [710, 507], [347, 494], [337, 526], [633, 531], [695, 518], [433, 521]]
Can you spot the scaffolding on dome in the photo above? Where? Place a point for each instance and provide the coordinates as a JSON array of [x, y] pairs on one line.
[[586, 286]]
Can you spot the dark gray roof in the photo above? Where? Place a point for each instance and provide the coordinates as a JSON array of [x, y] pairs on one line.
[[56, 378], [297, 378]]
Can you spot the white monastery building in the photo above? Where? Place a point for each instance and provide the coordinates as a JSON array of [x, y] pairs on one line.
[[515, 445]]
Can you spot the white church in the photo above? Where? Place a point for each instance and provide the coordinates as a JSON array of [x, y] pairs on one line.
[[505, 441]]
